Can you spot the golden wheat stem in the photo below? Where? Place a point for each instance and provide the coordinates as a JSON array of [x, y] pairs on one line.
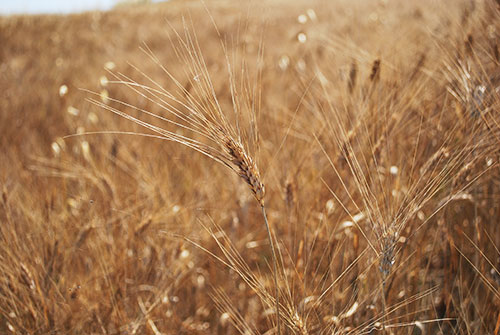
[[275, 268], [384, 306]]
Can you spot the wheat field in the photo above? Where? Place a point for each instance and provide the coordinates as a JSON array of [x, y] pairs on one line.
[[274, 167]]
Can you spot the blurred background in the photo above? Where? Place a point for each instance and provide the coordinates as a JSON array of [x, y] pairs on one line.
[[9, 7]]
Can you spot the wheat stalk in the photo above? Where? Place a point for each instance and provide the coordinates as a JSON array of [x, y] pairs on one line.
[[245, 167], [202, 115]]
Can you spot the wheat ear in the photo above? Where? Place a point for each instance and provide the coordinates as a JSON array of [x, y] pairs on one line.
[[203, 119], [246, 168]]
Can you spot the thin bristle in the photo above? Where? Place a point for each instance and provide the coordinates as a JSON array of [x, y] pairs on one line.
[[435, 160]]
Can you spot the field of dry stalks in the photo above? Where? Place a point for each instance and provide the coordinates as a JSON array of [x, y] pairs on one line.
[[144, 150]]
